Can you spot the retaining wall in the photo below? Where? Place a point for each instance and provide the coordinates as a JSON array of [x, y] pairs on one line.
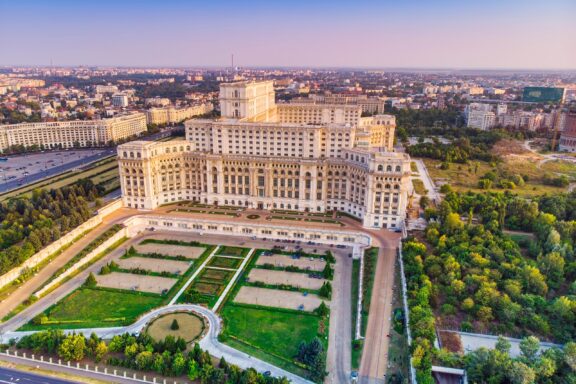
[[54, 247]]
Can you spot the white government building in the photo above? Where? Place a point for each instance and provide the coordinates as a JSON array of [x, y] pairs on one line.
[[68, 134], [263, 155]]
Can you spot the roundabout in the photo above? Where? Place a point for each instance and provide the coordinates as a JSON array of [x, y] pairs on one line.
[[186, 325]]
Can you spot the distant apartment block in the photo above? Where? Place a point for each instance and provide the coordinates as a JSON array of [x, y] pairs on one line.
[[106, 89], [75, 133], [173, 115]]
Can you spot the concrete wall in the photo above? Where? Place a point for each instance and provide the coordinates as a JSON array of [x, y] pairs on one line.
[[357, 240], [86, 259], [52, 248]]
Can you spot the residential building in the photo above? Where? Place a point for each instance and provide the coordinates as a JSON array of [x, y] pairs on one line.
[[75, 133], [568, 136], [173, 115], [263, 155]]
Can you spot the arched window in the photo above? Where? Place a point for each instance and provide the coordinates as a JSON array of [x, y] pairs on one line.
[[398, 169], [380, 168], [389, 168]]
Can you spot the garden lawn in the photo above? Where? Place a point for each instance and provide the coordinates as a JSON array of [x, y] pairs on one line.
[[224, 262], [233, 251], [278, 334], [91, 308]]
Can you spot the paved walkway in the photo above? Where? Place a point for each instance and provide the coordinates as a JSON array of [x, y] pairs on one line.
[[433, 194], [209, 342], [376, 344]]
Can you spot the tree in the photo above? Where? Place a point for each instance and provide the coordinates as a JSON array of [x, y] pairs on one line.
[[144, 360], [520, 373], [328, 272], [322, 309], [100, 351], [325, 290], [178, 364], [193, 371], [453, 223], [503, 345], [529, 347], [73, 347], [90, 281], [570, 354], [174, 326]]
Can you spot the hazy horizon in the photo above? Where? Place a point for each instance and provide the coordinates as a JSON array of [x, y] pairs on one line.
[[445, 35]]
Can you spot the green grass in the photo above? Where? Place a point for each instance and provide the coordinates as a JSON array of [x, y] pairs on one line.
[[419, 187], [95, 307], [277, 336], [370, 260], [224, 262], [413, 167], [356, 352], [233, 251]]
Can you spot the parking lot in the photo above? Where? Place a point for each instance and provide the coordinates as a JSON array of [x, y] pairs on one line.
[[20, 167]]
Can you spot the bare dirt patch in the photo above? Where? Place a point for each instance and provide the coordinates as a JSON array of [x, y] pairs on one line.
[[514, 150], [132, 282], [277, 298], [190, 328], [316, 264], [154, 265], [171, 250], [295, 279]]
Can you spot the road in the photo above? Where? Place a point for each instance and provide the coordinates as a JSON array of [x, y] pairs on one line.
[[80, 163], [13, 376], [375, 356]]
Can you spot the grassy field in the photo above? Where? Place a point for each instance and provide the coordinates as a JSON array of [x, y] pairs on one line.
[[462, 177], [277, 336], [87, 308], [560, 167]]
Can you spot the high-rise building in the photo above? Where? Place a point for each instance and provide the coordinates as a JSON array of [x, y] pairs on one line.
[[304, 157]]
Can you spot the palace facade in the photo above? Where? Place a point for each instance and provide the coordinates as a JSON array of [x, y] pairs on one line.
[[263, 155]]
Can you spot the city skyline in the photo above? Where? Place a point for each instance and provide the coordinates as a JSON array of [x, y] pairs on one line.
[[443, 35]]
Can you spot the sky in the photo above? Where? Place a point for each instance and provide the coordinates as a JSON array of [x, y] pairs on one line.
[[485, 34]]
